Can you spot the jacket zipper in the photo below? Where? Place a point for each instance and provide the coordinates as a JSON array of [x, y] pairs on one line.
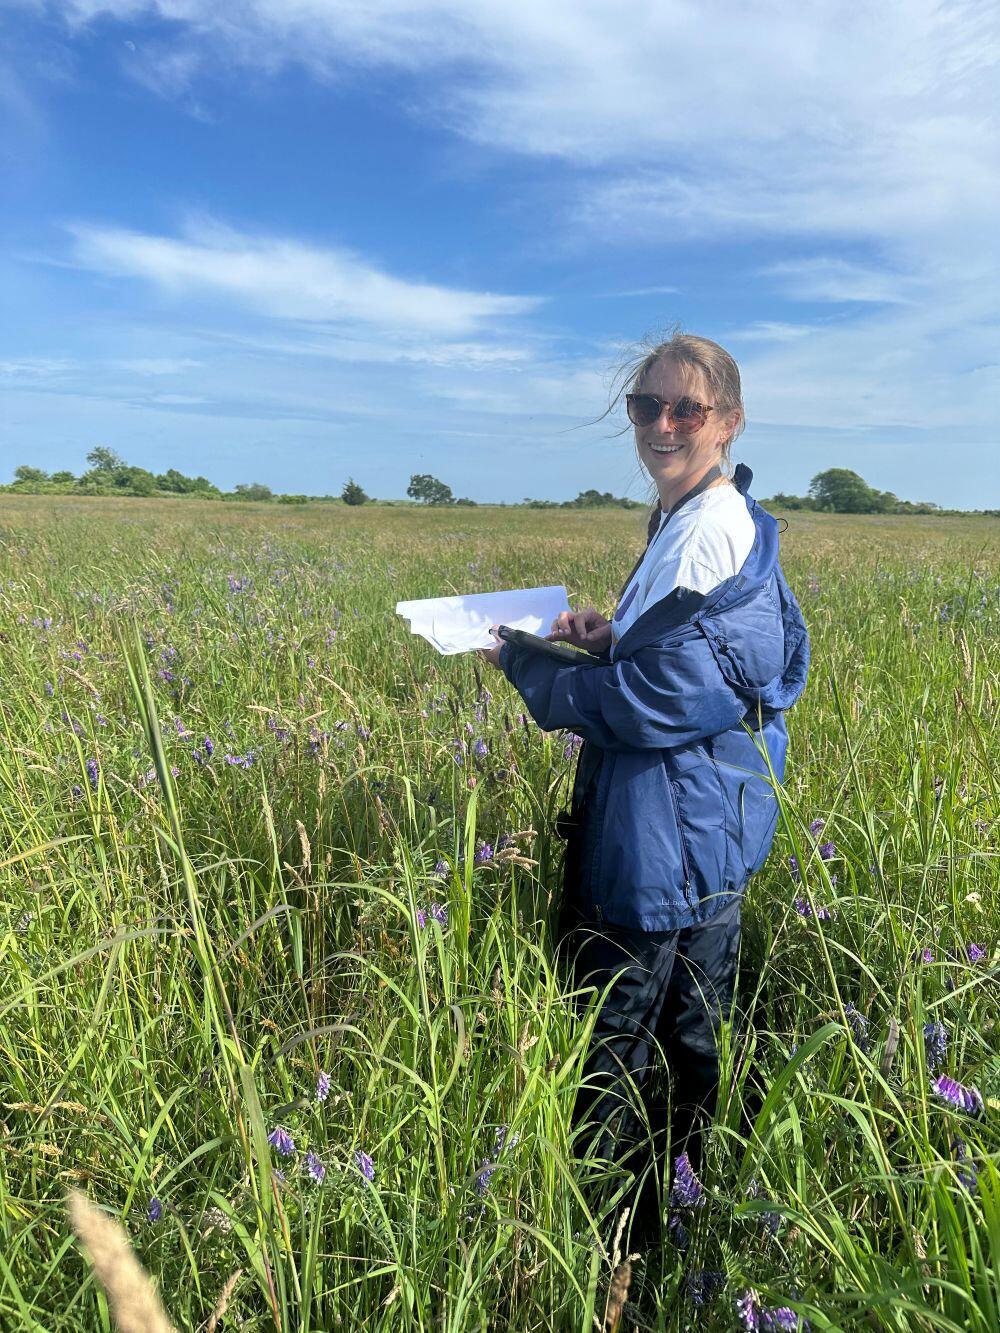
[[685, 866]]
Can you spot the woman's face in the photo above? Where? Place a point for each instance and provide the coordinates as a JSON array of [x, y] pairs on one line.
[[673, 460]]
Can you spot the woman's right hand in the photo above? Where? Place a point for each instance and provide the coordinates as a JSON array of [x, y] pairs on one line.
[[583, 629]]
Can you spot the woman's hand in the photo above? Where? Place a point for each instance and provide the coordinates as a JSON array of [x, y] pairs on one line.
[[583, 629], [491, 655]]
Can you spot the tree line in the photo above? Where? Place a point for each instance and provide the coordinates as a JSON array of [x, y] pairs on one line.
[[834, 491]]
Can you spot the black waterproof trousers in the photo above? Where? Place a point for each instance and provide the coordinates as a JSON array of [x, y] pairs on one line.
[[669, 987]]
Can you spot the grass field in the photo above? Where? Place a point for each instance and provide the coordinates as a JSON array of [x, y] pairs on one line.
[[271, 864]]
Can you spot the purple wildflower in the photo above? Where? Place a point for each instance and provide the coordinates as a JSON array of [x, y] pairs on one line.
[[209, 747], [480, 749], [365, 1165], [155, 1210], [506, 842], [935, 1044], [769, 1221], [701, 1284], [783, 1318], [748, 1310], [483, 1177], [927, 955], [440, 869], [573, 744], [817, 827], [975, 953], [421, 918], [281, 1140], [484, 854], [687, 1190], [793, 865], [240, 760], [968, 1177], [679, 1232], [828, 850], [505, 1143], [322, 1086], [440, 913], [93, 772], [314, 1168], [76, 791], [858, 1024], [968, 1099]]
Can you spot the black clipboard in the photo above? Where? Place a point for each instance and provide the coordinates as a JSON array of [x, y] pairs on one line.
[[562, 652]]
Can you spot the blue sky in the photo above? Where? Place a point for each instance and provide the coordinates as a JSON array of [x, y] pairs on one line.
[[291, 240]]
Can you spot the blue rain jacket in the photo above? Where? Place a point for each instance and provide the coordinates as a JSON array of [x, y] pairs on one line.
[[673, 807]]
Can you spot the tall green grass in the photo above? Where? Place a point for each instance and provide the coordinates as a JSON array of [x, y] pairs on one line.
[[189, 945]]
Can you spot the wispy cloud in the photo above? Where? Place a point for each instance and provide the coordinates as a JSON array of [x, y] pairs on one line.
[[287, 279]]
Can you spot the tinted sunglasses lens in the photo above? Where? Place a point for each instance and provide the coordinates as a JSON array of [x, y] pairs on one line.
[[643, 408], [688, 415]]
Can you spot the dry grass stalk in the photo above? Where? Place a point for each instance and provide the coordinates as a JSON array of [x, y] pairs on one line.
[[130, 1292], [222, 1304], [621, 1280]]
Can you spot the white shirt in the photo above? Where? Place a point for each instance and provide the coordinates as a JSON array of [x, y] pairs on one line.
[[705, 543]]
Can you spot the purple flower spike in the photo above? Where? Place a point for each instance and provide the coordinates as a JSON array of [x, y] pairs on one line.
[[93, 772], [440, 869], [793, 865], [935, 1044], [927, 955], [748, 1310], [480, 749], [155, 1210], [421, 918], [439, 913], [483, 1177], [817, 827], [365, 1165], [975, 953], [678, 1231], [314, 1168], [687, 1190], [282, 1141], [209, 747], [702, 1284], [828, 850], [967, 1099], [322, 1086], [484, 854], [784, 1318]]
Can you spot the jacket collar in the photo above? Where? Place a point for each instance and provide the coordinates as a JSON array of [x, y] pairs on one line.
[[682, 607]]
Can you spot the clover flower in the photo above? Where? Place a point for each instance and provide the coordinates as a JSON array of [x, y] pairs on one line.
[[687, 1190], [314, 1168], [365, 1165], [935, 1044], [322, 1086], [967, 1099], [282, 1141]]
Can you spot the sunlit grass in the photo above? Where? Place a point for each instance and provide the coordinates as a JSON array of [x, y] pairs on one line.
[[193, 933]]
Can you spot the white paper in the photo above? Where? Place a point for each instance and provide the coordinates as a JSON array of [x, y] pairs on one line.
[[462, 624]]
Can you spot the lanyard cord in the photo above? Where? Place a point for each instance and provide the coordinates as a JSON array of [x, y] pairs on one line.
[[651, 536]]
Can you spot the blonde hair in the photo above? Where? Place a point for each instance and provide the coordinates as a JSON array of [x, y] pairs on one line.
[[718, 369]]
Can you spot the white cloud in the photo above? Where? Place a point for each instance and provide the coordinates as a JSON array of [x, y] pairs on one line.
[[827, 278], [158, 365], [288, 279]]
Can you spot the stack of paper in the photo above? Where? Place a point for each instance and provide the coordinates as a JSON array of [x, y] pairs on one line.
[[462, 624]]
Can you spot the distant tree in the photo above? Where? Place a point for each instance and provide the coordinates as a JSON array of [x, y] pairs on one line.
[[30, 476], [104, 460], [843, 491], [63, 478], [783, 501], [429, 490], [177, 482], [352, 494], [254, 491], [293, 499], [464, 500]]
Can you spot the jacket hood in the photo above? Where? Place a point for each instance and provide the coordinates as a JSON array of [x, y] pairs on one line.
[[764, 656]]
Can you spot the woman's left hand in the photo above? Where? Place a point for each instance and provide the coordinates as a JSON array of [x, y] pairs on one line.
[[491, 655]]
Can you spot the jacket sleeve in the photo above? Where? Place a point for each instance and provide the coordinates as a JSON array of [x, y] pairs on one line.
[[662, 697]]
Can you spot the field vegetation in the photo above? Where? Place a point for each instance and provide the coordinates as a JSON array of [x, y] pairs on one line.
[[278, 888]]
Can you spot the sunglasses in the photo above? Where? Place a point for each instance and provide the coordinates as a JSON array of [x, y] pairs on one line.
[[685, 416]]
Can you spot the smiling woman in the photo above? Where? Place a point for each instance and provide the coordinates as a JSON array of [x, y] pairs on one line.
[[673, 806]]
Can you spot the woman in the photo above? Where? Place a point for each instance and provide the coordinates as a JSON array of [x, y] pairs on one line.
[[673, 806]]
